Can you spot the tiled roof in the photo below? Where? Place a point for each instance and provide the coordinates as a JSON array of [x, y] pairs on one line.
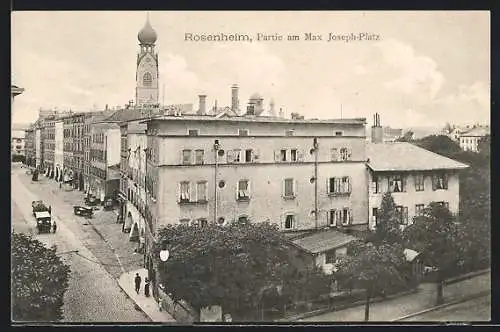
[[324, 240], [130, 114], [479, 131], [402, 156]]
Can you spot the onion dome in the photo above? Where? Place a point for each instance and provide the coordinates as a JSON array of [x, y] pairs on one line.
[[147, 35]]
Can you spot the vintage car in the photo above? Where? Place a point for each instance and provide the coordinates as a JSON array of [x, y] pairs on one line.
[[83, 211], [43, 222], [39, 206]]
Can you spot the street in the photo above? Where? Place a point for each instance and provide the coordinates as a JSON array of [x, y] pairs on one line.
[[478, 309], [93, 294]]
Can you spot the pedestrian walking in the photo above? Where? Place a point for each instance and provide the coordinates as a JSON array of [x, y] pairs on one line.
[[54, 226], [137, 281], [146, 287]]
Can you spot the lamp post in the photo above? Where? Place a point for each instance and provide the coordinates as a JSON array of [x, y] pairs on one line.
[[216, 150], [314, 151]]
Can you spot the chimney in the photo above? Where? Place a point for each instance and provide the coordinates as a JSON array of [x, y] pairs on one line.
[[202, 110], [272, 111], [377, 130], [281, 114], [234, 98]]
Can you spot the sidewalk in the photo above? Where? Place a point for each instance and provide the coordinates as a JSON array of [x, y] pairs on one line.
[[393, 309], [147, 304]]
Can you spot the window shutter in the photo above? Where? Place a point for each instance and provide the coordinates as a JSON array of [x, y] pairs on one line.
[[349, 184], [180, 192], [445, 181], [283, 186], [181, 159], [277, 155], [295, 186], [230, 156], [327, 185], [300, 156], [403, 182], [350, 216], [249, 186], [405, 215], [433, 182], [237, 189]]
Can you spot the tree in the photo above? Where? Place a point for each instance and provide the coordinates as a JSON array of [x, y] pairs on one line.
[[375, 269], [440, 144], [435, 235], [228, 266], [39, 280], [388, 225]]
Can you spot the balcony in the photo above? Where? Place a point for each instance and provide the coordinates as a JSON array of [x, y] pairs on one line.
[[339, 194]]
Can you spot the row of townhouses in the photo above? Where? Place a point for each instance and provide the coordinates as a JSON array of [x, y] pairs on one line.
[[314, 179]]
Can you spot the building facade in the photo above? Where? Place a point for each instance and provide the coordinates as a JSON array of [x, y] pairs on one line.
[[104, 160], [68, 136], [414, 176], [29, 146], [59, 149], [18, 142], [78, 148], [49, 145], [470, 140]]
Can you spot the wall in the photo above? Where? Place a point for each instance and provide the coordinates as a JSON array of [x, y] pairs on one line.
[[220, 127], [59, 148], [412, 197], [266, 189], [38, 146], [113, 146]]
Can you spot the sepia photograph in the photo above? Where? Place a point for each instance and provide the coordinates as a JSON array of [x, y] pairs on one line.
[[239, 167]]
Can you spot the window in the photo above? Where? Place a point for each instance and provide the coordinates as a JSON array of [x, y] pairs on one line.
[[439, 181], [289, 221], [345, 154], [334, 217], [375, 185], [193, 132], [339, 185], [419, 209], [184, 192], [346, 216], [289, 188], [243, 190], [199, 156], [334, 154], [186, 157], [330, 257], [236, 156], [184, 221], [147, 79], [248, 155], [243, 219], [293, 154], [445, 204], [402, 213], [338, 133], [201, 191], [375, 216], [283, 155], [289, 132], [419, 182], [397, 183], [243, 132]]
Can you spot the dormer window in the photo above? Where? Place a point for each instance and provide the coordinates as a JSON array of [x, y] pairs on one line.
[[243, 132]]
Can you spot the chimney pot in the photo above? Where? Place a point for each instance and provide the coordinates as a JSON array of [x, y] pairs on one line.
[[234, 98], [202, 110]]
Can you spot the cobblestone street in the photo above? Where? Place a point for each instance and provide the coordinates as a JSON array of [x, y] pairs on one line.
[[101, 234], [93, 294]]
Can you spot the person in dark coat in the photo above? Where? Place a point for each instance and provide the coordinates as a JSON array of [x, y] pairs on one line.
[[137, 281], [146, 287], [54, 227], [50, 209]]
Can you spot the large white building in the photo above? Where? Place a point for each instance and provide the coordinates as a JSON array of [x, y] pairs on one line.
[[469, 141]]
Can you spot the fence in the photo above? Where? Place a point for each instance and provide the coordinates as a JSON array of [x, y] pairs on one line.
[[181, 311]]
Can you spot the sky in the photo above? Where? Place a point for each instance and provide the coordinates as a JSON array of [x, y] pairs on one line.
[[424, 69]]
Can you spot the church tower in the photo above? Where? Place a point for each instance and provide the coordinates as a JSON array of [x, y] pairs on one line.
[[146, 91]]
